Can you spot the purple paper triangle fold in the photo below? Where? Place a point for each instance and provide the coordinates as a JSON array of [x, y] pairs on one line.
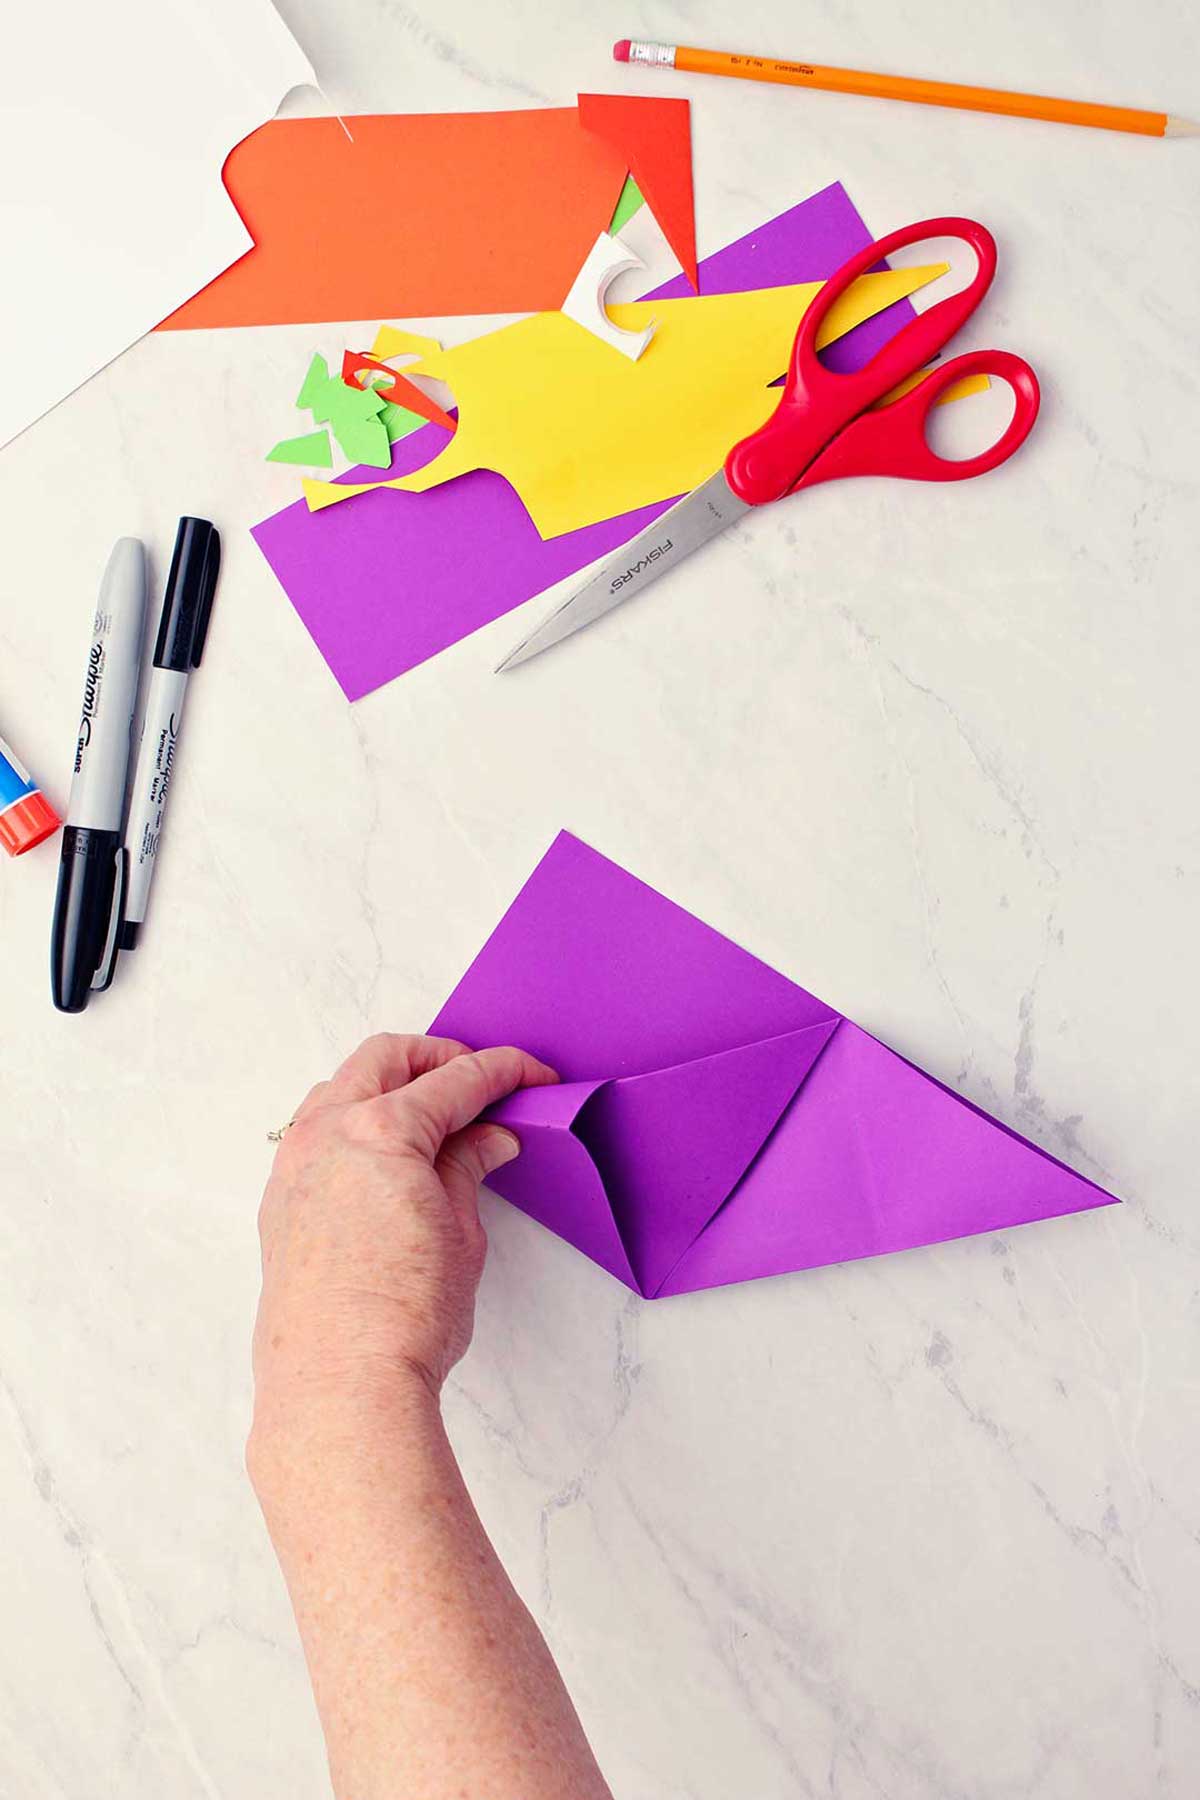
[[761, 1132]]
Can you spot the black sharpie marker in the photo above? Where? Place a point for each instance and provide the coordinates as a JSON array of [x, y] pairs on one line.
[[182, 630]]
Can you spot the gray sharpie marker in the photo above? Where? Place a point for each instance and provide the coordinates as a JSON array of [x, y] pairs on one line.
[[91, 874]]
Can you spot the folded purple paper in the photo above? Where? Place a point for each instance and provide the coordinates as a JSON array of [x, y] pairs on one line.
[[391, 579], [715, 1122]]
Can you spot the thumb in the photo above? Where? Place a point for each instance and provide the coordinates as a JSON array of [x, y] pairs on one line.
[[469, 1156]]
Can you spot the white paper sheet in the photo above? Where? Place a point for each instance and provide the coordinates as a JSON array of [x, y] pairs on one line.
[[115, 120]]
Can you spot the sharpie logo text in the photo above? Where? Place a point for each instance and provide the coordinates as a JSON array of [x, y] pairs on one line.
[[642, 563], [91, 695], [164, 763]]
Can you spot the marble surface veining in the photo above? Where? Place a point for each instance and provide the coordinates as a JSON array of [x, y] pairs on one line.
[[925, 1528]]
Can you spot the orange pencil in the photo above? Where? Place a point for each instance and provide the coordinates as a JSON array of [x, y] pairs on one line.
[[902, 87]]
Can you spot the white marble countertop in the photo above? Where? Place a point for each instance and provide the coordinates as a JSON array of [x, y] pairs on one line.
[[926, 1528]]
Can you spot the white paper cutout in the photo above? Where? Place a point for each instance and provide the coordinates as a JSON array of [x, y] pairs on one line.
[[607, 258]]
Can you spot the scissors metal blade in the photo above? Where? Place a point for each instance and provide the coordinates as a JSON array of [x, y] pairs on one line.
[[684, 527]]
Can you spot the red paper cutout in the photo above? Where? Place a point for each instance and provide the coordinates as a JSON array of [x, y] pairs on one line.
[[657, 143], [402, 392]]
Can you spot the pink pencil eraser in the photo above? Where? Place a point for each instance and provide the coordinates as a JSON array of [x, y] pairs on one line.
[[621, 50]]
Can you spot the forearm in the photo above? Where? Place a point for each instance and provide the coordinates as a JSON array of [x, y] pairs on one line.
[[430, 1677]]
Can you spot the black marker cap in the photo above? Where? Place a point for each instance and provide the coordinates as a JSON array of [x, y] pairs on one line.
[[83, 912], [187, 603]]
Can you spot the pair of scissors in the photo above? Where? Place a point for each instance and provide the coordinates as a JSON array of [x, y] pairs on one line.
[[824, 429]]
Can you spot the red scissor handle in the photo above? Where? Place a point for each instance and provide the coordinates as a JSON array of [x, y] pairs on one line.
[[818, 430], [892, 440]]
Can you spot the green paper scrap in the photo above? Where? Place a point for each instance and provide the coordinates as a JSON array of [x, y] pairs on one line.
[[364, 424], [313, 449], [364, 441], [315, 382], [628, 202], [396, 420], [352, 412]]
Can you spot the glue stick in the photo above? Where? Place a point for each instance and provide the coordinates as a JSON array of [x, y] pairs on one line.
[[26, 816]]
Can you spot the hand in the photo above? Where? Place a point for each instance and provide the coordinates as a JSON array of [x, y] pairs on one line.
[[372, 1247], [429, 1674]]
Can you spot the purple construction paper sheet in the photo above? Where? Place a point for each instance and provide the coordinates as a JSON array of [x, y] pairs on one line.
[[605, 979], [390, 579], [767, 258], [600, 976]]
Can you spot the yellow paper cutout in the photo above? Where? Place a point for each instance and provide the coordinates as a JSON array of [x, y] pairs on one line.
[[584, 435], [391, 340]]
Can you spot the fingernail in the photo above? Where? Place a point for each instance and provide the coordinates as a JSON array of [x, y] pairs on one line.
[[500, 1147]]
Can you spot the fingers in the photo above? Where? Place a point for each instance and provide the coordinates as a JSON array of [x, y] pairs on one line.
[[445, 1099], [385, 1062], [469, 1157]]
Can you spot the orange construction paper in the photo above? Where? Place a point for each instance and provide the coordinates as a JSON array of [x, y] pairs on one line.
[[657, 141], [416, 215]]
